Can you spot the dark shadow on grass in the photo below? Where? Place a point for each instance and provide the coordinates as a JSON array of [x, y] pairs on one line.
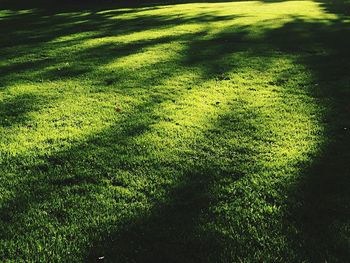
[[175, 229], [14, 111], [339, 7], [96, 5], [320, 205], [86, 167], [170, 231], [38, 33]]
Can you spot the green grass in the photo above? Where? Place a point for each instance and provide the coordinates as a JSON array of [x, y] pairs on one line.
[[193, 132]]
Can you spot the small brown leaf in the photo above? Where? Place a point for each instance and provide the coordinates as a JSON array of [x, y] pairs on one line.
[[117, 109]]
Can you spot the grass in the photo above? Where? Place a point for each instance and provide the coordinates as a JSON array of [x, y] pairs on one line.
[[191, 132]]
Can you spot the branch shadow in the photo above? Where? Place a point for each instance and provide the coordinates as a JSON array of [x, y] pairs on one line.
[[173, 230], [14, 111], [39, 33]]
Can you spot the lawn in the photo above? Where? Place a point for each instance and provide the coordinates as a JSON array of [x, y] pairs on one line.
[[179, 132]]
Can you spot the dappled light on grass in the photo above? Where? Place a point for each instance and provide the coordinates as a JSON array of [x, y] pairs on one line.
[[173, 133]]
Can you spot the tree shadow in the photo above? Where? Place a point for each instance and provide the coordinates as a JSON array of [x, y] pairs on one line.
[[26, 34], [319, 205], [339, 7], [95, 5], [171, 230], [14, 111], [63, 177], [170, 233], [59, 178]]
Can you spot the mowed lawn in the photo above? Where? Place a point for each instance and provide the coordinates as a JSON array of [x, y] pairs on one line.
[[193, 132]]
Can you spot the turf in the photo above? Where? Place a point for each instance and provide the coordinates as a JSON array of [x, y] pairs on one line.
[[191, 132]]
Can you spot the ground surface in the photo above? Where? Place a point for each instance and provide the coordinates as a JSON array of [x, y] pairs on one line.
[[194, 132]]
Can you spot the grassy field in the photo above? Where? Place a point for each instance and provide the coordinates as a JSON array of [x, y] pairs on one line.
[[192, 132]]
